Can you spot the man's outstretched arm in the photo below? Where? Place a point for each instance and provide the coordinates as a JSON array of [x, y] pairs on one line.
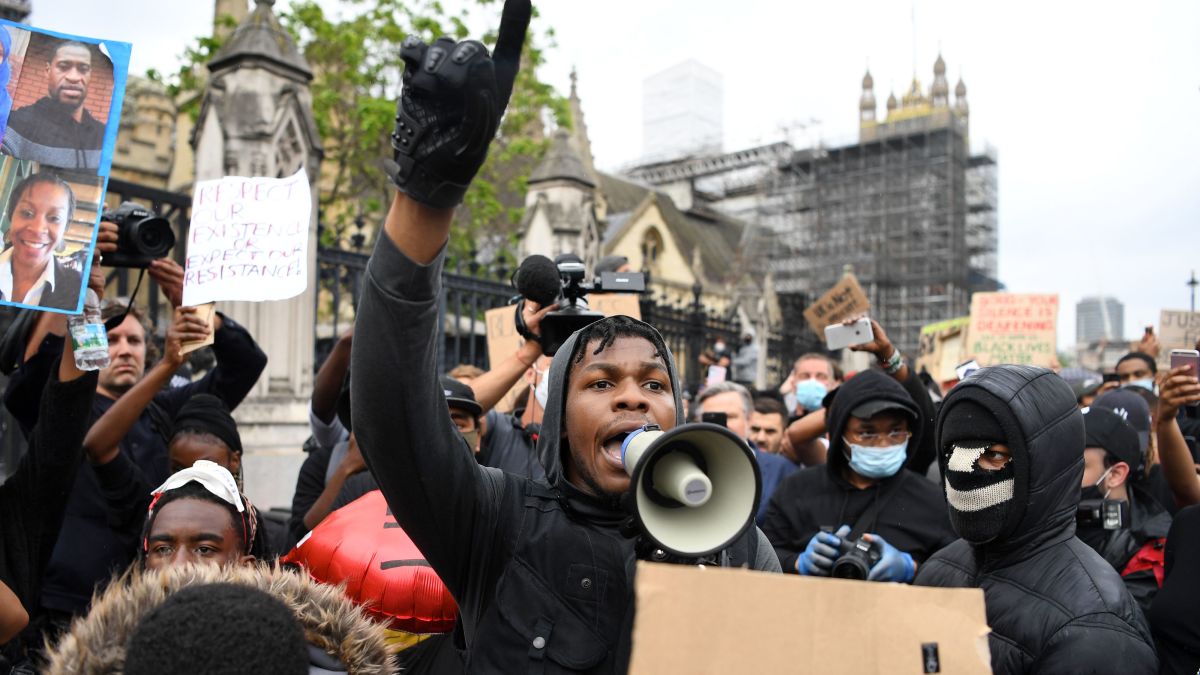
[[450, 108]]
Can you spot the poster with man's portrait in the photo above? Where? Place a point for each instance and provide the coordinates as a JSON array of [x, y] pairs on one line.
[[60, 106]]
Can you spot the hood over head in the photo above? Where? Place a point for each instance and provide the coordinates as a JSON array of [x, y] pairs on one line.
[[97, 642], [870, 391], [551, 444], [1036, 412]]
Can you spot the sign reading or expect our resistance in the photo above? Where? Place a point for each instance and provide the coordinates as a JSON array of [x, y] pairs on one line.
[[1013, 328], [248, 239], [845, 300]]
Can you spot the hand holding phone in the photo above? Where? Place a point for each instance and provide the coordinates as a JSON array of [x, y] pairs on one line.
[[840, 335], [1191, 358]]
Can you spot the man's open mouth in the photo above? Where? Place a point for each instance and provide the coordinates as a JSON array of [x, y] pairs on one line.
[[612, 444]]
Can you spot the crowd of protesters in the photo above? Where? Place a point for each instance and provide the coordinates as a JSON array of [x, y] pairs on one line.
[[1072, 499]]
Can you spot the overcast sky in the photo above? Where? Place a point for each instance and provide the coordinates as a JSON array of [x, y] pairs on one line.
[[1092, 107]]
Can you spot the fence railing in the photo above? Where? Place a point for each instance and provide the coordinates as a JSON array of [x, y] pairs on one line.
[[471, 289]]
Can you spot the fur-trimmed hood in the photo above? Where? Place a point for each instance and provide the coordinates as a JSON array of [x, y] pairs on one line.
[[96, 643]]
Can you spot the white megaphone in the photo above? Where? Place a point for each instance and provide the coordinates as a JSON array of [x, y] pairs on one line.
[[696, 487]]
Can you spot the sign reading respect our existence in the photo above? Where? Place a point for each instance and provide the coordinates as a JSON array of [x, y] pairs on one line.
[[248, 239], [1013, 328], [845, 300]]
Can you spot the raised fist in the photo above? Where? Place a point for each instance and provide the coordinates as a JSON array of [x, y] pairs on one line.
[[453, 97]]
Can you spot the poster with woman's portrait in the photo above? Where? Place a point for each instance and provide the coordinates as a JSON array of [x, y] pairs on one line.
[[60, 106], [48, 220]]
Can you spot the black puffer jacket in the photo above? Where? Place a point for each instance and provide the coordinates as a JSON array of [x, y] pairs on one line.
[[1054, 605]]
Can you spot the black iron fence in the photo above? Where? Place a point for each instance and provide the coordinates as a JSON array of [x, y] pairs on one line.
[[471, 289]]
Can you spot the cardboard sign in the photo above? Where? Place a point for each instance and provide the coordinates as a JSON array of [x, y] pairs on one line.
[[846, 299], [248, 239], [1017, 328], [207, 311], [943, 347], [714, 620], [47, 150], [1177, 329], [503, 339]]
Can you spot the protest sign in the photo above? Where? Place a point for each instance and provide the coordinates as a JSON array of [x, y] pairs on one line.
[[1177, 329], [943, 347], [248, 239], [58, 139], [503, 339], [716, 620], [846, 299], [1013, 328]]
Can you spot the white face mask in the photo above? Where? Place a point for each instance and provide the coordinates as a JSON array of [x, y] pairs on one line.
[[541, 392]]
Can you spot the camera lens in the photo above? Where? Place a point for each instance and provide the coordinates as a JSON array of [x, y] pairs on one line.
[[152, 237]]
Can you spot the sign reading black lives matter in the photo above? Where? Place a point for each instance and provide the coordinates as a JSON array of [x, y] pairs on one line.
[[60, 109], [248, 239]]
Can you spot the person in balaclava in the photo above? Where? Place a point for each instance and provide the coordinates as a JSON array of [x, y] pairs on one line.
[[874, 427], [1010, 442]]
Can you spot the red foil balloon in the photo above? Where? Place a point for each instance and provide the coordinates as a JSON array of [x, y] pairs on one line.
[[362, 546]]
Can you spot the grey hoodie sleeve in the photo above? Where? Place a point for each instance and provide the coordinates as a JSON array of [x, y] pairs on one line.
[[442, 498]]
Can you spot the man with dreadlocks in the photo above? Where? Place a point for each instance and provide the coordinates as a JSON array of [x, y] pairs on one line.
[[541, 570]]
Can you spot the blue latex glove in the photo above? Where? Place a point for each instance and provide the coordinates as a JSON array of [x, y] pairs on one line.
[[893, 565], [817, 559]]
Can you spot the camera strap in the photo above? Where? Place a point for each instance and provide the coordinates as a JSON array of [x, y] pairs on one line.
[[866, 521], [115, 321]]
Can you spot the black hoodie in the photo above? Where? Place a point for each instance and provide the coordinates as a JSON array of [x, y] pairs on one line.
[[914, 518], [541, 573], [1053, 604]]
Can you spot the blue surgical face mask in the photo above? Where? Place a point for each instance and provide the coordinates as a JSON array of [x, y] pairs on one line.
[[1147, 384], [810, 393], [877, 463]]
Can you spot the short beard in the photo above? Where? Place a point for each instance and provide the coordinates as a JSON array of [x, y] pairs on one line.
[[609, 499], [116, 390]]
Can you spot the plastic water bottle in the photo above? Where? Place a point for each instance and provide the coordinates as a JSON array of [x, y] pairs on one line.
[[88, 336]]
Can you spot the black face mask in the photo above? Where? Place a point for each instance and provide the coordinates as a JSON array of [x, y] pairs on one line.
[[979, 500]]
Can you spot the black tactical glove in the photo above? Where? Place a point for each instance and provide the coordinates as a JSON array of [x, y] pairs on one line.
[[453, 97]]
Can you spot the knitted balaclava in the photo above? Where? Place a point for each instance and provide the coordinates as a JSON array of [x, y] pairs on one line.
[[980, 500]]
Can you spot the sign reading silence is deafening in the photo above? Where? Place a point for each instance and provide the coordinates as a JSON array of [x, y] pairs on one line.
[[248, 239]]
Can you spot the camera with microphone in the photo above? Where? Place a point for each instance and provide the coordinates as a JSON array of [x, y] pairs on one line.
[[563, 282]]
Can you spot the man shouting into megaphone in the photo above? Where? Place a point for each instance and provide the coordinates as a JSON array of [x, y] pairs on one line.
[[541, 570]]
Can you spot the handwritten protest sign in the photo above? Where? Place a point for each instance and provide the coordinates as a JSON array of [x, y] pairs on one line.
[[503, 338], [943, 347], [248, 239], [1177, 329], [1013, 328], [844, 300]]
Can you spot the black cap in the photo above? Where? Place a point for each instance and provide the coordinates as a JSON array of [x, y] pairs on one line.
[[459, 395], [1132, 408], [869, 409], [1107, 430]]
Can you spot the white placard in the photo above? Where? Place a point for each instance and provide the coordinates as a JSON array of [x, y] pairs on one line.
[[248, 239]]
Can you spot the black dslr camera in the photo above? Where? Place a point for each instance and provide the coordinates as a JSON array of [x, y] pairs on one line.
[[856, 559], [1106, 514], [536, 280], [142, 236]]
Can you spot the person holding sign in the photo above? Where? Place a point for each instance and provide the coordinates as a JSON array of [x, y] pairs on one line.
[[39, 210], [541, 571]]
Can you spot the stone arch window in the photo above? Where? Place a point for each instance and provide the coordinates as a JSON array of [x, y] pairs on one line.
[[652, 249]]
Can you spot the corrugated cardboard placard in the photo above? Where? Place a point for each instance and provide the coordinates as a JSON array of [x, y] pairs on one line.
[[711, 620], [943, 348], [1177, 329], [846, 299]]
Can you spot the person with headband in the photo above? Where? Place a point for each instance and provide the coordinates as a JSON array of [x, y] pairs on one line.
[[1011, 450], [198, 516], [40, 208]]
